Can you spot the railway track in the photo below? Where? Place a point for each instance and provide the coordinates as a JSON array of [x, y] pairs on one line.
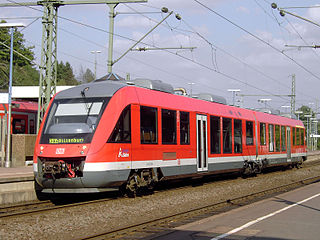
[[45, 206], [164, 225]]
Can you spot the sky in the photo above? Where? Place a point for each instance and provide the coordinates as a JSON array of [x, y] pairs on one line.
[[237, 44]]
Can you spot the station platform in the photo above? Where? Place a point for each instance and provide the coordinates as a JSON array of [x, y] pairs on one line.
[[292, 215], [16, 174], [16, 185]]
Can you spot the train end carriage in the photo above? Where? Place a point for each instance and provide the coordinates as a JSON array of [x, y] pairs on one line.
[[281, 140], [23, 116]]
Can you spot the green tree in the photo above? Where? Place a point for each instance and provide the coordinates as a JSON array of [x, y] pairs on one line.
[[308, 111], [305, 111], [65, 75], [85, 76], [24, 71]]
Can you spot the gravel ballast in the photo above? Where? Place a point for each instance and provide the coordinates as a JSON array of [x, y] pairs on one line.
[[73, 223]]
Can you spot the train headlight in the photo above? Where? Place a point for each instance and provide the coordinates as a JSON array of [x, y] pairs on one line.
[[82, 152], [41, 149]]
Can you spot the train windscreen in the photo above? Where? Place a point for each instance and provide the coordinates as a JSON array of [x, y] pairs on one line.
[[72, 121]]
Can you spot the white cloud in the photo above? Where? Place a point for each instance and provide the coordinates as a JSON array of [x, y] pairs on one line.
[[314, 14], [243, 9], [133, 22]]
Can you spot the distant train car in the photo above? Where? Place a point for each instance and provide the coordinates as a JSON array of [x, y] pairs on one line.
[[105, 135], [23, 116]]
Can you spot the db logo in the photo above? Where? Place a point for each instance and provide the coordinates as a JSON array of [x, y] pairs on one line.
[[60, 150]]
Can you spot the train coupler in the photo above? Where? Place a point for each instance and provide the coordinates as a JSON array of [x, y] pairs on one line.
[[62, 169]]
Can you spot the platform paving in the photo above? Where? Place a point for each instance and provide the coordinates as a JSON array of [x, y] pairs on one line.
[[16, 185]]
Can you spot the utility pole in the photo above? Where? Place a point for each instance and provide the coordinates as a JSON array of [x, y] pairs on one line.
[[111, 26], [48, 66], [234, 93], [293, 95], [8, 148], [95, 62], [49, 62]]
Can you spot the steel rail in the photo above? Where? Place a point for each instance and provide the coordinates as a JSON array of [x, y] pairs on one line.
[[41, 206], [196, 213], [46, 209]]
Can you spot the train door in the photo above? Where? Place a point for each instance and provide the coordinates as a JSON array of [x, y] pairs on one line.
[[288, 144], [202, 143]]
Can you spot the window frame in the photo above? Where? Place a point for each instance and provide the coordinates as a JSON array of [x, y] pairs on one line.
[[183, 123], [283, 139], [264, 135], [294, 140], [227, 131], [155, 122], [277, 132], [252, 132], [234, 135], [126, 110], [214, 136], [271, 139], [166, 129]]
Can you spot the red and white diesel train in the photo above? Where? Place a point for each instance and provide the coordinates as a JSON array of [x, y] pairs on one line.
[[105, 135]]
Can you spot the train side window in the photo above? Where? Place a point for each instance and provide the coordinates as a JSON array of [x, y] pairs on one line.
[[169, 126], [237, 130], [18, 126], [215, 133], [148, 125], [302, 137], [263, 134], [283, 138], [122, 131], [294, 136], [277, 132], [271, 138], [184, 128], [298, 136], [249, 133], [227, 135]]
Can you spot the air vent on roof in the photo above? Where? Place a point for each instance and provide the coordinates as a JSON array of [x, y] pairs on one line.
[[211, 98], [153, 84]]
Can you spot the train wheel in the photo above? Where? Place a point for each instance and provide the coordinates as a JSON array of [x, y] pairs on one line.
[[141, 182], [132, 185]]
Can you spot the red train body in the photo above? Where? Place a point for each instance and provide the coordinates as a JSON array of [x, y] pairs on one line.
[[103, 135]]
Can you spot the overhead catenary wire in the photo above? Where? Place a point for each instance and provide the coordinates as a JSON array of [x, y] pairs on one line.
[[258, 38], [92, 27], [229, 54], [296, 31], [215, 65], [192, 60], [188, 59]]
